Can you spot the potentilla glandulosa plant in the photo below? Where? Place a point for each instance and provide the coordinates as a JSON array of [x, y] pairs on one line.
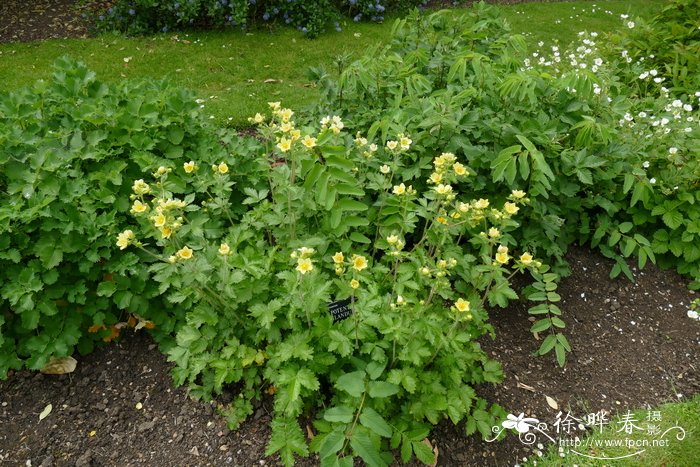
[[344, 291]]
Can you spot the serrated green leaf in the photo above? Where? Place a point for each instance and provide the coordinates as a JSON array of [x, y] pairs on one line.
[[341, 414], [352, 383], [423, 452], [379, 389], [362, 444], [372, 420]]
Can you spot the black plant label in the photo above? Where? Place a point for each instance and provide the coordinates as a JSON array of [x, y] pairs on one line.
[[340, 310]]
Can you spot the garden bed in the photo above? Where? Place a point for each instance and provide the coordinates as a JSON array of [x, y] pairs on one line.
[[633, 347]]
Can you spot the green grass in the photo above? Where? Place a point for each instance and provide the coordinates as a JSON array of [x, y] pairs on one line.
[[677, 453], [229, 69]]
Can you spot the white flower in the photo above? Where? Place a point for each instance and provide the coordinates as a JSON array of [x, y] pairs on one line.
[[673, 151], [645, 164], [692, 314], [688, 107], [653, 72], [630, 24], [652, 180]]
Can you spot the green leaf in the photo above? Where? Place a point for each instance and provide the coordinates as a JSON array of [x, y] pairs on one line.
[[332, 443], [561, 355], [423, 452], [359, 238], [541, 325], [378, 389], [673, 219], [341, 414], [106, 289], [288, 439], [547, 345], [352, 383], [372, 420], [362, 444], [347, 204]]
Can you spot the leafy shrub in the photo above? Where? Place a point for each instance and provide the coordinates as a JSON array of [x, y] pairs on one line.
[[668, 43], [556, 124], [333, 220], [66, 148], [310, 17]]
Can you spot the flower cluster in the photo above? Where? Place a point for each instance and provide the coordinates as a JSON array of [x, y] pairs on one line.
[[357, 263]]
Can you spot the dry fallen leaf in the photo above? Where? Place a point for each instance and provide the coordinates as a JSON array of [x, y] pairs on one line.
[[60, 366], [552, 403], [45, 413], [271, 80], [525, 386], [310, 433]]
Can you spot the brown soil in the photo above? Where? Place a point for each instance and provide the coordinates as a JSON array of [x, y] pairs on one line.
[[633, 346]]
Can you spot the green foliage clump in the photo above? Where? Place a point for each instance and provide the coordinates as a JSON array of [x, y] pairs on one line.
[[335, 218], [69, 148]]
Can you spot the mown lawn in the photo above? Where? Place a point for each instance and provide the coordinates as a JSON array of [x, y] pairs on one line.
[[236, 73]]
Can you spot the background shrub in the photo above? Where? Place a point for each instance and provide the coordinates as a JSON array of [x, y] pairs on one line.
[[310, 17], [69, 148]]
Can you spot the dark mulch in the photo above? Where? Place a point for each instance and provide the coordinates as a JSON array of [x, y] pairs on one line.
[[633, 347]]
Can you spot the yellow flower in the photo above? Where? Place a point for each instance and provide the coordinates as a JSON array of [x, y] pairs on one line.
[[510, 208], [481, 204], [462, 305], [463, 207], [274, 105], [441, 220], [224, 249], [284, 145], [222, 168], [184, 253], [339, 257], [139, 207], [295, 134], [123, 239], [405, 142], [442, 264], [304, 265], [494, 232], [392, 145], [308, 141], [258, 118], [392, 239], [435, 177], [385, 169], [305, 252], [189, 166], [502, 249], [459, 169], [286, 127], [373, 147], [354, 283], [400, 189], [518, 194], [443, 189], [285, 114], [526, 258], [502, 258], [339, 270], [166, 232], [359, 262], [140, 187], [158, 220]]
